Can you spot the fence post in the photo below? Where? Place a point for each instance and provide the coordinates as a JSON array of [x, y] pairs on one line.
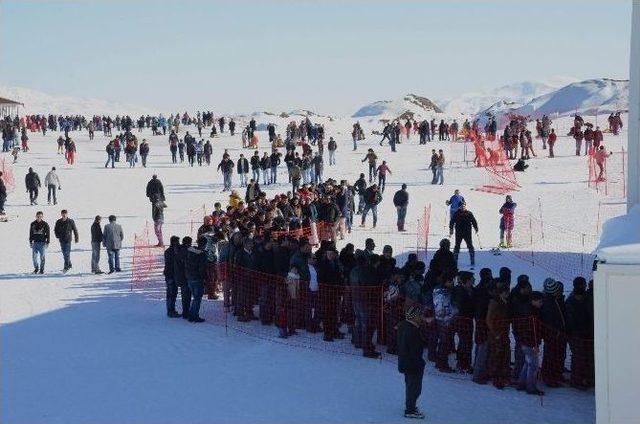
[[582, 254], [531, 239], [624, 176], [541, 220]]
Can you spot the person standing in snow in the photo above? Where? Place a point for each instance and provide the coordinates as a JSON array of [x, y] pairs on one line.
[[65, 231], [53, 183], [454, 203], [3, 194], [410, 361], [401, 201], [371, 159], [382, 175], [463, 220], [169, 276], [96, 243], [155, 193], [144, 152], [372, 198], [332, 146], [440, 168], [552, 141], [507, 221], [39, 237], [112, 241], [242, 168], [32, 183]]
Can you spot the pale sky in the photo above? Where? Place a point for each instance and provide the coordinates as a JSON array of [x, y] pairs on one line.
[[330, 56]]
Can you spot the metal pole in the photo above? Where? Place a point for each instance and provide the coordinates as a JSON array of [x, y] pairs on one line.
[[531, 239]]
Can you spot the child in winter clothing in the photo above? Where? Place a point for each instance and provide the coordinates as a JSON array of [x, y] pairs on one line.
[[507, 221]]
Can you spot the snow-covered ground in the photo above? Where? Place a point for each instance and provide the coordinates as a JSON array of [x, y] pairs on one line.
[[78, 348]]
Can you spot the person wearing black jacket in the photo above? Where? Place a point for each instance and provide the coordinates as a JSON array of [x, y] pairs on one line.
[[32, 183], [242, 168], [3, 194], [410, 362], [39, 237], [463, 220], [255, 166], [554, 329], [442, 261], [180, 277], [482, 294], [579, 313], [520, 305], [330, 280], [246, 263], [64, 230], [360, 186], [275, 161], [155, 190], [365, 279], [463, 298], [266, 266], [401, 201], [196, 271], [169, 276], [96, 242]]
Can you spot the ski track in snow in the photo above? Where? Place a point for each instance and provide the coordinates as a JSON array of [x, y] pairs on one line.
[[78, 348]]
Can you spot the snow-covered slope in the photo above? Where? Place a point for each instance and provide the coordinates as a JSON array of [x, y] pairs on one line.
[[520, 92], [410, 105], [603, 95], [36, 101]]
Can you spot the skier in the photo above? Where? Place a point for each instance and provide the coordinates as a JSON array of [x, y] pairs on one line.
[[39, 238], [32, 182], [506, 221], [53, 183], [463, 220], [64, 230], [401, 201]]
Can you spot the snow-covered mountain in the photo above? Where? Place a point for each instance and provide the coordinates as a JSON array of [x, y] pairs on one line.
[[471, 104], [36, 101], [410, 105], [603, 95]]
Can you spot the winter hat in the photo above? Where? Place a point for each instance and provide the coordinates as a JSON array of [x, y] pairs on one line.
[[412, 312], [551, 286]]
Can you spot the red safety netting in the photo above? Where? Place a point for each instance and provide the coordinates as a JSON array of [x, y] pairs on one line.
[[562, 252], [294, 312], [146, 262], [490, 155], [7, 175], [608, 174]]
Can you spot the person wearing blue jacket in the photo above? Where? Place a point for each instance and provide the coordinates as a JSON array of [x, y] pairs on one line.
[[454, 203]]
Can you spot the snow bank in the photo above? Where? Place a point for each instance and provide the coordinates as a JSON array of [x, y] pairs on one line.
[[620, 240]]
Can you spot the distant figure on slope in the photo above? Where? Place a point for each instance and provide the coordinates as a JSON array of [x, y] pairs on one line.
[[507, 221]]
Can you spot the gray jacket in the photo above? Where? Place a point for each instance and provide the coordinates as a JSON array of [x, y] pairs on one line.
[[112, 236]]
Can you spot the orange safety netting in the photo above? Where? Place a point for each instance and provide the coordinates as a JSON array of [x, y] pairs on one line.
[[490, 155], [7, 175], [607, 173]]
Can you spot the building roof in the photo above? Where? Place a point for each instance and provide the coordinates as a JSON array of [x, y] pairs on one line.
[[5, 101], [620, 243]]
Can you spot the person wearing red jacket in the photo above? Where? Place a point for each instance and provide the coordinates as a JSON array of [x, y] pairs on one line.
[[600, 157], [552, 141]]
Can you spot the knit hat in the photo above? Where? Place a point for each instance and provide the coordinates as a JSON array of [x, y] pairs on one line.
[[551, 286], [412, 312]]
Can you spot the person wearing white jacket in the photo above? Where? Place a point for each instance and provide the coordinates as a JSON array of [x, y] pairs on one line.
[[53, 183]]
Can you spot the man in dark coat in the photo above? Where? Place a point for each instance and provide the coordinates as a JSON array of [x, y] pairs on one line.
[[39, 237], [442, 261], [246, 264], [65, 231], [463, 220], [3, 194], [401, 201], [410, 361], [554, 330], [169, 276], [330, 280], [367, 289], [32, 183], [579, 312], [196, 272], [482, 294], [463, 325], [155, 190]]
